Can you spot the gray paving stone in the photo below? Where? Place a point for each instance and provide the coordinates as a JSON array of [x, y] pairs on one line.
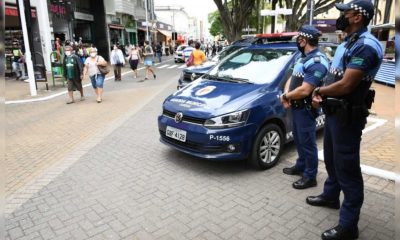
[[130, 186], [15, 233]]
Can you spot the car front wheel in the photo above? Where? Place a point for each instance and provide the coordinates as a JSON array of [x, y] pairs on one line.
[[267, 147]]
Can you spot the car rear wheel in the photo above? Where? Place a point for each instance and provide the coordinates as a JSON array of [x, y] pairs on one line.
[[267, 147]]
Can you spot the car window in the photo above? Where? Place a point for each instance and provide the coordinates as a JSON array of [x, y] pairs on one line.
[[258, 66], [227, 51], [242, 58]]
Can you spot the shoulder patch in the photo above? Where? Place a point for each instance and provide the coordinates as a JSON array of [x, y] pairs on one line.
[[317, 59], [357, 61], [318, 74]]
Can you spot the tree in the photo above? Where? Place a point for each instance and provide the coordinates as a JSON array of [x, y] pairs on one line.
[[298, 17], [234, 16], [216, 25]]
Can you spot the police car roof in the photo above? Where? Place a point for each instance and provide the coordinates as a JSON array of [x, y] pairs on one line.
[[275, 45], [266, 37]]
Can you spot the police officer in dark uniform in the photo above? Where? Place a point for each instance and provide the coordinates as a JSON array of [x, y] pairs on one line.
[[345, 99], [308, 73]]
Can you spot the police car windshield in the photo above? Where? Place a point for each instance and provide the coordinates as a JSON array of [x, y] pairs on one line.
[[259, 66]]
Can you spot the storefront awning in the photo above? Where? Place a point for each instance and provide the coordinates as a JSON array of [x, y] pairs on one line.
[[130, 30], [165, 32], [116, 26]]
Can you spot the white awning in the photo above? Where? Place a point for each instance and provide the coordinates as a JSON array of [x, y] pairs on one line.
[[165, 32]]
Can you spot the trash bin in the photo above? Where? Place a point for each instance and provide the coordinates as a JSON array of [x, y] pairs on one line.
[[39, 71]]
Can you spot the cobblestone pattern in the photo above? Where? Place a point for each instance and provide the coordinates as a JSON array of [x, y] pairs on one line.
[[41, 134], [130, 186]]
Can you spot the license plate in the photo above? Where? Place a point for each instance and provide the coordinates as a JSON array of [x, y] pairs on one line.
[[175, 133]]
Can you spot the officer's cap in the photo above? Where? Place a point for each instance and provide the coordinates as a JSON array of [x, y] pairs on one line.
[[309, 32], [365, 7]]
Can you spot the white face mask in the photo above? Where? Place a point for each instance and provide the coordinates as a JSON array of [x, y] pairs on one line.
[[93, 55], [68, 53]]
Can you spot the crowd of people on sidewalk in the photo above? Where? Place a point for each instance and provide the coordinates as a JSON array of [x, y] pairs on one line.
[[78, 66]]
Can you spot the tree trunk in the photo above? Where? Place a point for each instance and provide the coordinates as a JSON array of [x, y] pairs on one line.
[[234, 17]]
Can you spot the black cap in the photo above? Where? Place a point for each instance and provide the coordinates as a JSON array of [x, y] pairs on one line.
[[309, 32], [365, 7]]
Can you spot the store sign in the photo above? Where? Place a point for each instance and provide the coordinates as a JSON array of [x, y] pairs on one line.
[[57, 9], [83, 16], [13, 11]]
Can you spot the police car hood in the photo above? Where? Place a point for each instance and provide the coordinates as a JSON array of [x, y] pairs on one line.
[[206, 98], [200, 69]]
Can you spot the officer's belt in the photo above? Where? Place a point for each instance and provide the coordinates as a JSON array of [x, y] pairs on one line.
[[298, 103]]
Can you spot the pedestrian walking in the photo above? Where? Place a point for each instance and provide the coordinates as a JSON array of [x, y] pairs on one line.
[[148, 54], [159, 51], [73, 73], [133, 59], [91, 68], [198, 55], [308, 73], [18, 62], [117, 61], [213, 50], [345, 99]]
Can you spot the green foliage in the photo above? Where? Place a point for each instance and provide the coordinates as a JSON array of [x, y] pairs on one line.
[[216, 25]]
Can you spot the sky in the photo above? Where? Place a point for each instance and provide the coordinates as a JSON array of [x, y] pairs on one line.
[[196, 8]]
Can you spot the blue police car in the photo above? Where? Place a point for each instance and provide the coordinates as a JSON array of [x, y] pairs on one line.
[[190, 74], [233, 112]]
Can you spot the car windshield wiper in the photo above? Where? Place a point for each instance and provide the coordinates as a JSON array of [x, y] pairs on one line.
[[226, 78]]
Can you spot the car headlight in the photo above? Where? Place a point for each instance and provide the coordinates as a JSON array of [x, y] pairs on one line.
[[230, 120]]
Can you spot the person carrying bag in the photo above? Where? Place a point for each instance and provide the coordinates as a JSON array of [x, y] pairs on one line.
[[96, 67]]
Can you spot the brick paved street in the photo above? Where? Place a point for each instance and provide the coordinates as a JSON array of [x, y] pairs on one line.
[[121, 183]]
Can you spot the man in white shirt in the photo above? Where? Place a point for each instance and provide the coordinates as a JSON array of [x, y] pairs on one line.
[[117, 61]]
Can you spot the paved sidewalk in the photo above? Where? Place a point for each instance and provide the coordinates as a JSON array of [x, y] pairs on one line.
[[126, 185], [41, 134], [130, 186], [19, 90]]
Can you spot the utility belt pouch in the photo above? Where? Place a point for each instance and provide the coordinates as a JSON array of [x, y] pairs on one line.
[[359, 111], [338, 107], [330, 105], [369, 99]]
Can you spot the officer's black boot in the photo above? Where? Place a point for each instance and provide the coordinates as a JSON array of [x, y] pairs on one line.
[[338, 233], [292, 171]]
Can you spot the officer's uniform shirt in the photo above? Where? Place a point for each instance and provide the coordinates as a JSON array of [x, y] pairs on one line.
[[363, 52], [311, 69]]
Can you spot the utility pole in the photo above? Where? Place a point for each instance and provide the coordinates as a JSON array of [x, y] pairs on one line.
[[27, 43], [147, 20], [311, 13]]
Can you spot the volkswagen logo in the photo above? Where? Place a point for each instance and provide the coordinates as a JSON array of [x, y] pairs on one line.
[[193, 77], [178, 117]]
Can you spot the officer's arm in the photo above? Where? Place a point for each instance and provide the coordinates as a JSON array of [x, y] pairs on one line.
[[350, 80], [287, 84], [300, 92]]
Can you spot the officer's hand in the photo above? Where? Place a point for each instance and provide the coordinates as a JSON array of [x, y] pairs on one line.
[[316, 101], [284, 102]]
